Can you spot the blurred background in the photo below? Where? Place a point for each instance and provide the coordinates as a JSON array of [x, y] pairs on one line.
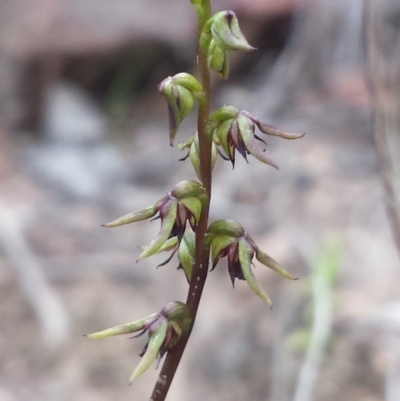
[[84, 139]]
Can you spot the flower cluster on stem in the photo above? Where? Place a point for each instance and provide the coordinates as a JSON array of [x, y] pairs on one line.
[[184, 211]]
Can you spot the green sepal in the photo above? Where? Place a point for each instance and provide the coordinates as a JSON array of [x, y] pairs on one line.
[[188, 188], [245, 255], [218, 60], [187, 144], [156, 339], [134, 217], [272, 264], [223, 134], [246, 128], [194, 154], [227, 228], [124, 328], [184, 102], [206, 37], [226, 32], [224, 113], [168, 245], [178, 315], [189, 82], [187, 252], [271, 130], [166, 228]]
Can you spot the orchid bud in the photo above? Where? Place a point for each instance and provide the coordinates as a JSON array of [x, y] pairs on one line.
[[180, 92], [226, 32]]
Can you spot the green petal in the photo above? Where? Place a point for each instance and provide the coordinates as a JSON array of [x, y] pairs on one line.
[[272, 264], [194, 205], [156, 340], [184, 102], [168, 245], [124, 328], [220, 242], [134, 217], [245, 253], [222, 135], [166, 228]]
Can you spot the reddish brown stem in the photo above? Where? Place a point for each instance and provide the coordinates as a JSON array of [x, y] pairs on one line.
[[200, 269]]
